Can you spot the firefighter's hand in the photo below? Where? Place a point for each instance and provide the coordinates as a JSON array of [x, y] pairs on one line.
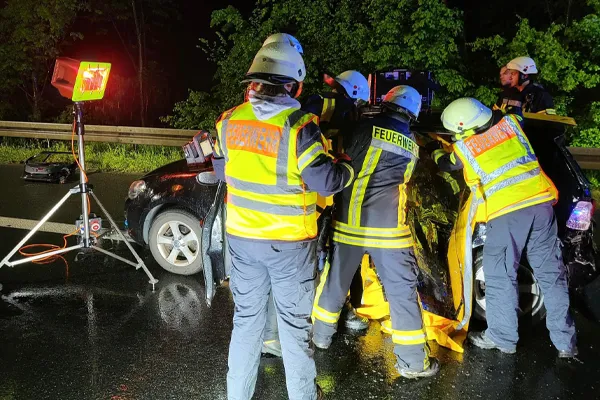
[[342, 157]]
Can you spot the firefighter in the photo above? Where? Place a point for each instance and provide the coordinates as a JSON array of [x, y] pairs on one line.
[[370, 218], [338, 111], [271, 156], [271, 344], [521, 91], [339, 108], [515, 197]]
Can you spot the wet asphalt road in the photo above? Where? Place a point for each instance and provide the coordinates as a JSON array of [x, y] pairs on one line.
[[94, 329]]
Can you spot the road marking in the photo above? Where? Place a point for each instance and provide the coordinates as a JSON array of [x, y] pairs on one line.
[[21, 223], [52, 227]]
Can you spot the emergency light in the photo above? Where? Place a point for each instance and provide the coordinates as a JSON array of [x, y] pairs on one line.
[[80, 80]]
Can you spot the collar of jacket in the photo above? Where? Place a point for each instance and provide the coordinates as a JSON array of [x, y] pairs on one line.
[[265, 107]]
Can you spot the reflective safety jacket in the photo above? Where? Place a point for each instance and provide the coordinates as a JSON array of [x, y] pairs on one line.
[[501, 169], [274, 166], [372, 212]]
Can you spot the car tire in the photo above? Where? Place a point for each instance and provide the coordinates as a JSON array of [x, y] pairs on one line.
[[63, 175], [531, 299], [175, 241]]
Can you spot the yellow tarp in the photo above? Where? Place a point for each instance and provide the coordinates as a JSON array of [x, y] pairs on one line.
[[438, 328]]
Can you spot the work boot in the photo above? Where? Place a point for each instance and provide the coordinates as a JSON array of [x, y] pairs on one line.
[[568, 353], [480, 340], [321, 342], [354, 321], [434, 368], [272, 347]]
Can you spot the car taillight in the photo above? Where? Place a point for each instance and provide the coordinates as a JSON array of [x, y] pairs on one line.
[[581, 216]]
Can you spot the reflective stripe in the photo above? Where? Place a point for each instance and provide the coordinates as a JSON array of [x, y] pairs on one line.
[[310, 155], [261, 188], [367, 231], [492, 176], [409, 337], [380, 144], [381, 243], [437, 154], [328, 109], [351, 170], [510, 181], [223, 129], [325, 316], [239, 201], [281, 169], [546, 197], [319, 312], [360, 185]]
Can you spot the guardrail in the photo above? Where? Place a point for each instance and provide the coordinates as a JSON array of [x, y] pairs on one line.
[[98, 133], [586, 157]]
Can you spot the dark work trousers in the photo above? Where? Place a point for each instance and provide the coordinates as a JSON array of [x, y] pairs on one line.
[[533, 230], [271, 330], [289, 270], [397, 269]]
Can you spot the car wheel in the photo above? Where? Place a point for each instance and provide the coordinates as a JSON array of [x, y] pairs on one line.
[[531, 299], [63, 175], [175, 242]]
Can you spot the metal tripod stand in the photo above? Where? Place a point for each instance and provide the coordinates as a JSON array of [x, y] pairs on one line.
[[83, 189]]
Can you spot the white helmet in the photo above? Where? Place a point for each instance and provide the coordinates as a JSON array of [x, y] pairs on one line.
[[524, 65], [407, 98], [464, 114], [354, 83], [284, 38], [277, 64]]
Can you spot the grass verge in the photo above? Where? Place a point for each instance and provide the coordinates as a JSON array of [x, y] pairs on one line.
[[103, 157]]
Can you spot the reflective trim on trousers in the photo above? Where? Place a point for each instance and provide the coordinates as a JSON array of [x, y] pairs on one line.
[[368, 231], [409, 337], [381, 243], [323, 315], [277, 209]]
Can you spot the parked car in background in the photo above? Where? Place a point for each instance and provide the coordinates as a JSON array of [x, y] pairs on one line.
[[50, 166]]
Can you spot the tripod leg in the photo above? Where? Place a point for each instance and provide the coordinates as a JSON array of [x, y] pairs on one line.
[[39, 224], [140, 263]]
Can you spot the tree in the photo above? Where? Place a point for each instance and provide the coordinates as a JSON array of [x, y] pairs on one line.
[[130, 20], [418, 34], [34, 32], [337, 35]]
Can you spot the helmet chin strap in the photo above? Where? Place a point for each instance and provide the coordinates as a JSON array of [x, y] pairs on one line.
[[296, 90], [523, 78]]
